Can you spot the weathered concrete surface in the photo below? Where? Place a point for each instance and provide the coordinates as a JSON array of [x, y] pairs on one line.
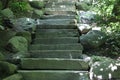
[[47, 33], [54, 64], [56, 47], [54, 75], [68, 54], [57, 24], [58, 40]]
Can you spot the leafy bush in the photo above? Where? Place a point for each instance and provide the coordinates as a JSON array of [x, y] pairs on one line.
[[114, 42], [20, 7], [112, 45], [104, 7]]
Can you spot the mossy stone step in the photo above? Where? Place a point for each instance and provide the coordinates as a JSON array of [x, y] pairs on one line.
[[60, 16], [56, 47], [57, 24], [67, 3], [58, 40], [54, 75], [53, 64], [58, 7], [41, 33], [57, 12], [68, 54], [62, 0]]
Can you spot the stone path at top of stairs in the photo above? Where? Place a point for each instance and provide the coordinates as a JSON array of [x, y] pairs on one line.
[[56, 51]]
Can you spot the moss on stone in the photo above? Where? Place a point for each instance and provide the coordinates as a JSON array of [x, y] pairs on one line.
[[37, 4], [7, 13], [37, 13], [14, 77], [25, 34], [17, 44], [7, 68]]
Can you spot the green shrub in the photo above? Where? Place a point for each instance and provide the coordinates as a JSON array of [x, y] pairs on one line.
[[20, 7]]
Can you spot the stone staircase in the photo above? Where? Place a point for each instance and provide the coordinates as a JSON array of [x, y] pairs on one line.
[[56, 53]]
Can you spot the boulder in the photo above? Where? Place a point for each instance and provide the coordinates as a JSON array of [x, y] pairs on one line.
[[86, 17], [7, 13], [82, 6], [37, 4], [7, 35], [17, 44], [14, 77], [37, 13], [105, 70], [26, 35], [89, 2], [2, 57], [93, 39], [7, 68], [84, 28], [24, 23]]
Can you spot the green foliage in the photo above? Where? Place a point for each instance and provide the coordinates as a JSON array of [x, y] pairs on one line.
[[104, 7], [20, 7], [110, 25], [114, 27], [113, 43], [99, 59], [82, 6]]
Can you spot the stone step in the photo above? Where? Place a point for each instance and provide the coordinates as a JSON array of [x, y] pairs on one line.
[[57, 24], [58, 40], [54, 75], [56, 47], [57, 12], [60, 16], [53, 64], [41, 33], [68, 54], [58, 7], [72, 1], [66, 3]]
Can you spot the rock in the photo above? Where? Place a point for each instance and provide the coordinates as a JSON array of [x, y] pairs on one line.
[[27, 24], [7, 13], [37, 4], [84, 28], [26, 35], [86, 17], [85, 58], [2, 57], [89, 2], [105, 70], [14, 77], [93, 39], [17, 44], [7, 35], [82, 6], [20, 55], [7, 68], [37, 13]]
